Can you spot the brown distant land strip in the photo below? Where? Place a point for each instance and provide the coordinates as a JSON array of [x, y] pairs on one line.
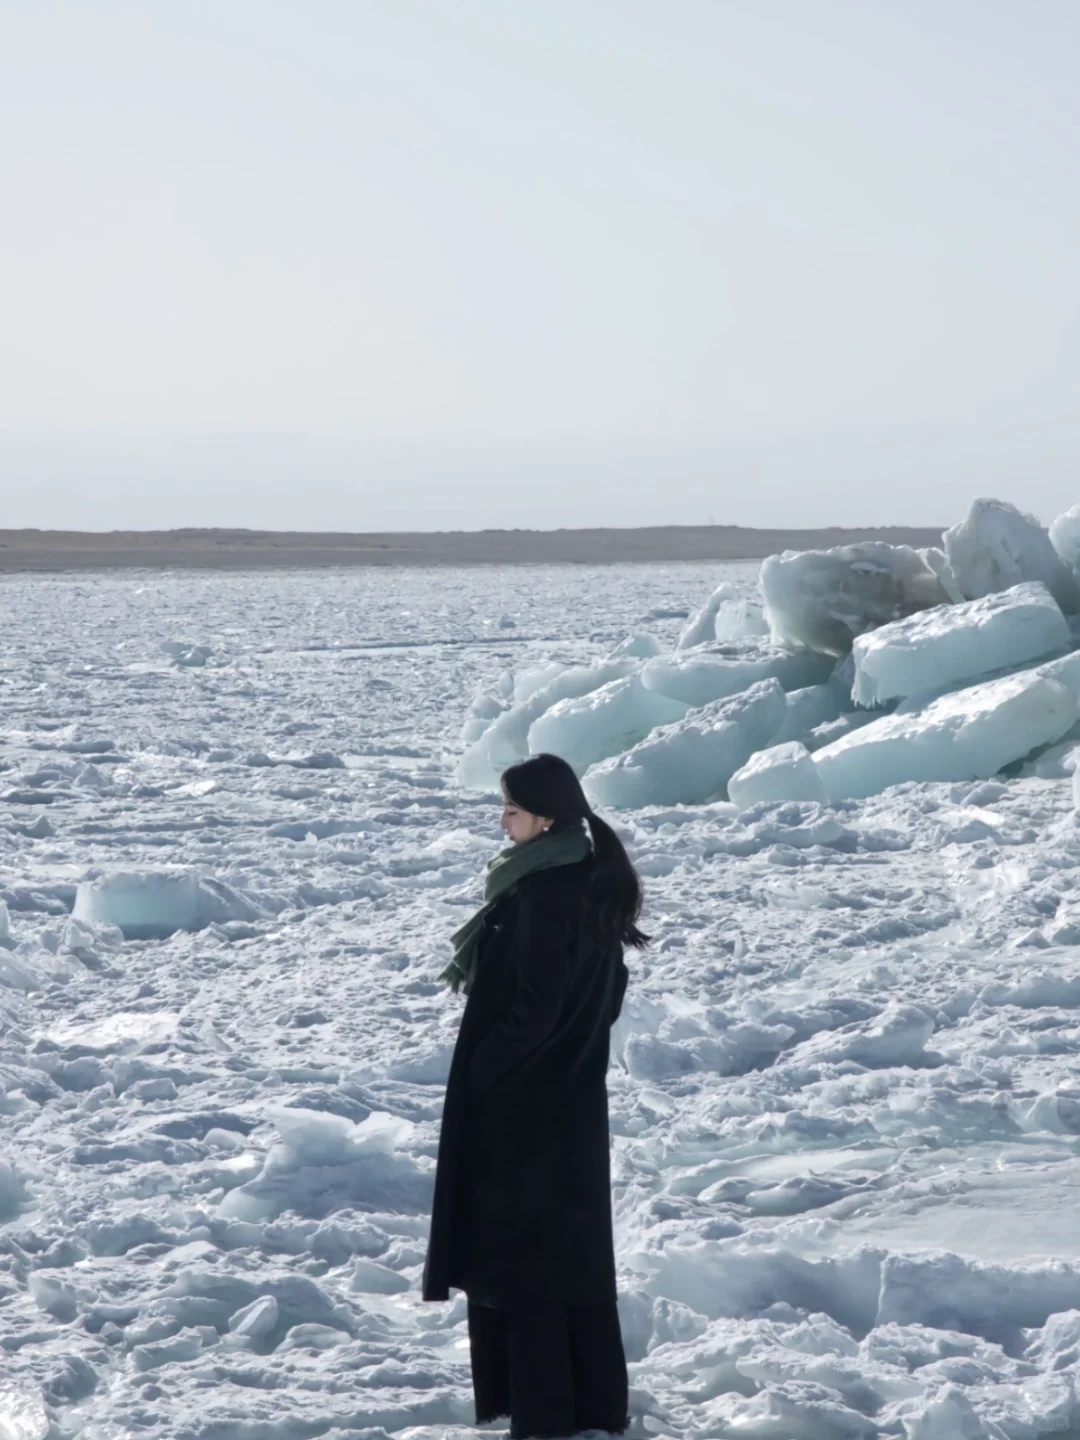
[[62, 550]]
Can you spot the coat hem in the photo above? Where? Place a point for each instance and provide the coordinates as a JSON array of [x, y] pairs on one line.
[[516, 1434]]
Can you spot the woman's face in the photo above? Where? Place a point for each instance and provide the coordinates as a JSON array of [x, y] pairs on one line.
[[520, 825]]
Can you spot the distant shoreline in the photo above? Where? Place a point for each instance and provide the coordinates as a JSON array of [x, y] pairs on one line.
[[57, 551]]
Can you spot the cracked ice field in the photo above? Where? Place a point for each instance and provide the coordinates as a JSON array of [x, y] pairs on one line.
[[845, 1095]]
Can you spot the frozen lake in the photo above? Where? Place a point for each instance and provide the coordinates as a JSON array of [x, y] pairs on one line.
[[846, 1095]]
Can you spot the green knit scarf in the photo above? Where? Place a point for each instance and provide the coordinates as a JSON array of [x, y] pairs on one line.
[[566, 845]]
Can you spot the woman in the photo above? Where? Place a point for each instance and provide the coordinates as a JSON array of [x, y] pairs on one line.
[[522, 1214]]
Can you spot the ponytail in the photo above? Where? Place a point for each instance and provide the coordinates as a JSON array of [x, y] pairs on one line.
[[546, 785], [615, 883]]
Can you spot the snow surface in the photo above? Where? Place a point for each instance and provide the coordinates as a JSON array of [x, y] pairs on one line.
[[844, 1095], [944, 647]]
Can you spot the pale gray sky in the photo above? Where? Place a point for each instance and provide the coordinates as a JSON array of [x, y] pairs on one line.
[[371, 264]]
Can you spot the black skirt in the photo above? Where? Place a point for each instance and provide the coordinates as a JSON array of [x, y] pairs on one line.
[[554, 1370]]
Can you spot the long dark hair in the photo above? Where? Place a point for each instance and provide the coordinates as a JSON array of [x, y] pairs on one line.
[[546, 785]]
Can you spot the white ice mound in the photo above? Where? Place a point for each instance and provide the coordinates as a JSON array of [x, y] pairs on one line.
[[941, 648], [701, 676], [690, 762], [824, 598], [151, 905], [605, 722], [996, 547], [506, 739], [968, 735], [324, 1163], [783, 772]]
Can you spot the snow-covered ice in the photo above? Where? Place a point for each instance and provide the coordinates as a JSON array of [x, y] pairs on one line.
[[944, 647], [844, 1093]]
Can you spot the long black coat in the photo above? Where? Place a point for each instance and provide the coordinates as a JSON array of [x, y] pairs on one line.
[[522, 1206]]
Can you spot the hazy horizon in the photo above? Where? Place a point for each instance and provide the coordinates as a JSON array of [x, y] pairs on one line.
[[376, 267]]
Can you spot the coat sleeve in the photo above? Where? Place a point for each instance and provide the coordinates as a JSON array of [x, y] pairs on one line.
[[542, 973]]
